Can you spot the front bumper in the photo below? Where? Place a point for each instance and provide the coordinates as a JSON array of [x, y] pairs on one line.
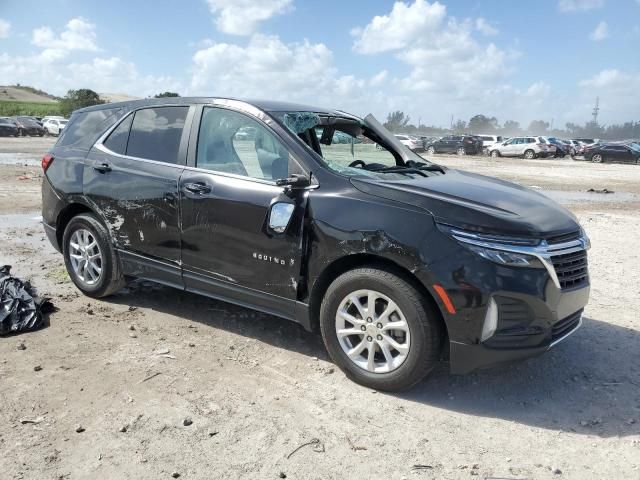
[[516, 344], [500, 313]]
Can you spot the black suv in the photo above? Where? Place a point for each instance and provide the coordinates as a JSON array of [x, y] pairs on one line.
[[394, 259], [459, 144]]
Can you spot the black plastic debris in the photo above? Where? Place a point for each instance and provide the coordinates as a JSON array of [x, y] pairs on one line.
[[20, 309], [604, 190]]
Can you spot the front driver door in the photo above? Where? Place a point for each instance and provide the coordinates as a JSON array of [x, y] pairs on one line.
[[228, 194]]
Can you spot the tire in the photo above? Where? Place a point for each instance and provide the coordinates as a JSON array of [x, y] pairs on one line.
[[495, 154], [529, 154], [597, 158], [431, 150], [423, 341], [460, 151], [110, 279]]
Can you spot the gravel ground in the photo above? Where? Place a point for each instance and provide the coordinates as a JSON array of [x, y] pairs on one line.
[[153, 382]]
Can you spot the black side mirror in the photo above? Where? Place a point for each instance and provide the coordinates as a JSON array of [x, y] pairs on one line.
[[294, 182]]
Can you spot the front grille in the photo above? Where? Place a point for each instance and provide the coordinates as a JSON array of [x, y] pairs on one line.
[[566, 325], [565, 237], [571, 269]]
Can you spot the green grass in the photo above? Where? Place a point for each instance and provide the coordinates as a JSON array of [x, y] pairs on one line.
[[12, 108]]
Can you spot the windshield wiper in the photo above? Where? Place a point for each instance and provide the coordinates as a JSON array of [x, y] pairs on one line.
[[429, 167], [400, 169]]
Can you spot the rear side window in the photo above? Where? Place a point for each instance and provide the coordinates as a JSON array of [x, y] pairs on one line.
[[84, 128], [156, 133], [117, 140]]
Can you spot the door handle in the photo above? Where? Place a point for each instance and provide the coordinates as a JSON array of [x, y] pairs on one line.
[[197, 187], [102, 167]]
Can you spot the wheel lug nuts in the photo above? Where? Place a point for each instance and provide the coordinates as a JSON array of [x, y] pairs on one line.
[[379, 325], [369, 320], [379, 337], [369, 339], [363, 328]]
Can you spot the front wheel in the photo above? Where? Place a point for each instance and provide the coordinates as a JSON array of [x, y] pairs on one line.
[[379, 329], [529, 154], [90, 258], [460, 151], [597, 158], [431, 150], [495, 154]]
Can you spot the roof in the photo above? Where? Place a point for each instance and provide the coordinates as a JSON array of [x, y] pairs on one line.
[[265, 105]]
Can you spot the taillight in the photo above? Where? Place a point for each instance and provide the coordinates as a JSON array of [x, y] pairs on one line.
[[46, 161]]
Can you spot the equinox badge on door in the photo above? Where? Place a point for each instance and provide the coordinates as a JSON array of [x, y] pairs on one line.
[[276, 260]]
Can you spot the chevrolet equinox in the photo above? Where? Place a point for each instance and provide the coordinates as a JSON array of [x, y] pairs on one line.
[[396, 260]]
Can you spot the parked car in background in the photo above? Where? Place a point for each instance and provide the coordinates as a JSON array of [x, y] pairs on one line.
[[51, 117], [28, 126], [54, 126], [8, 127], [411, 142], [613, 152], [459, 144], [561, 149], [489, 141], [527, 147]]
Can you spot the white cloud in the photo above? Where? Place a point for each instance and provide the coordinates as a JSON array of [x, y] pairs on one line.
[[52, 70], [266, 67], [400, 27], [600, 33], [241, 17], [579, 5], [484, 27], [444, 58], [379, 78], [79, 34], [618, 92], [5, 28]]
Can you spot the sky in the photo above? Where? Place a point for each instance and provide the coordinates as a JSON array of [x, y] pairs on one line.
[[434, 60]]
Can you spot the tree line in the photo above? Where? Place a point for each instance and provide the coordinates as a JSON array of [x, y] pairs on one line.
[[399, 122]]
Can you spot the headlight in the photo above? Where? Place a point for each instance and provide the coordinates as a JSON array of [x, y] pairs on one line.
[[511, 251], [505, 258]]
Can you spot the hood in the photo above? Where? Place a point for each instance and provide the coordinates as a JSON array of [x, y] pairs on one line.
[[477, 203]]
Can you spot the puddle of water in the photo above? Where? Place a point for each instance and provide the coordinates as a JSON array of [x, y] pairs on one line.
[[568, 197]]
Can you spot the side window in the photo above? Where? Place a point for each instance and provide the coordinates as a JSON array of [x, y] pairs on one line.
[[156, 132], [232, 142], [84, 128], [117, 140]]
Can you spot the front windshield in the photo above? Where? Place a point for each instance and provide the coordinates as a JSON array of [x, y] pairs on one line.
[[345, 152], [354, 147]]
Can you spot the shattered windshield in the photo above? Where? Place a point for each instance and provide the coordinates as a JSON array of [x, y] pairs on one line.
[[354, 147]]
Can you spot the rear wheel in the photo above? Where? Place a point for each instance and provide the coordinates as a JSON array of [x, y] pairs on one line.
[[431, 150], [379, 329], [597, 158], [495, 153], [529, 154], [90, 258], [460, 151]]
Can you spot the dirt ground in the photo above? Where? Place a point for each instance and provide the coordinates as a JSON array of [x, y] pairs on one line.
[[165, 383]]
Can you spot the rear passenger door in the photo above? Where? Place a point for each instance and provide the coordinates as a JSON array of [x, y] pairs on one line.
[[131, 177]]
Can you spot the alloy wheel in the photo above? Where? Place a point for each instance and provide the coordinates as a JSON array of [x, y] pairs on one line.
[[85, 256], [372, 331], [597, 158]]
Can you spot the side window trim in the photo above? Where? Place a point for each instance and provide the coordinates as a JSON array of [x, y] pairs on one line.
[[193, 144], [184, 139]]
